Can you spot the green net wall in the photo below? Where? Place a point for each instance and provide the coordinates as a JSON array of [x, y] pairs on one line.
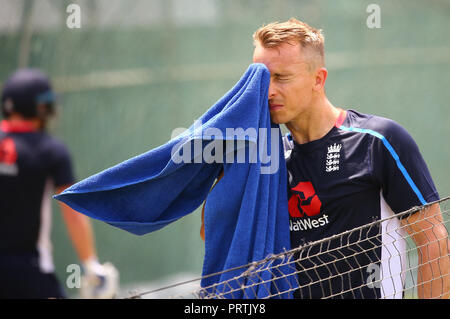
[[136, 70]]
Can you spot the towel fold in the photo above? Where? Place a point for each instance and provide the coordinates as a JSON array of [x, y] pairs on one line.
[[246, 213]]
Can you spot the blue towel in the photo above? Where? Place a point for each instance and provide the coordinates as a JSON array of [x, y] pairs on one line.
[[246, 213]]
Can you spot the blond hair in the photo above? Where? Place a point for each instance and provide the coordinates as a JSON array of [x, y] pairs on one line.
[[293, 30]]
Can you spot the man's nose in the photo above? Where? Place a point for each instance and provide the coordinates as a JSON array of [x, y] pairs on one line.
[[272, 90]]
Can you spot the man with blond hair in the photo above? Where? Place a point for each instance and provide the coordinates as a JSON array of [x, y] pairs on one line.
[[347, 169]]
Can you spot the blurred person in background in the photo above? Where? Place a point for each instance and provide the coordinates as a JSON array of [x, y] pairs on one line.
[[33, 166]]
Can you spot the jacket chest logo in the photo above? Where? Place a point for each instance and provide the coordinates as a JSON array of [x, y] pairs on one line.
[[333, 158]]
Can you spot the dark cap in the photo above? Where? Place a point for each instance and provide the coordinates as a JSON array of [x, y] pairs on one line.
[[24, 91]]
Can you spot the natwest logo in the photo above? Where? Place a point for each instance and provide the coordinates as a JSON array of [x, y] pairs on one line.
[[8, 157], [308, 223], [8, 154], [304, 201]]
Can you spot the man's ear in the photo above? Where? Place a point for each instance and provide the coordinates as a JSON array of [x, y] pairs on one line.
[[44, 110], [320, 78]]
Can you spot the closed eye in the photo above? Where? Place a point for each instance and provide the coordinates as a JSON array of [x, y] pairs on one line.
[[282, 77]]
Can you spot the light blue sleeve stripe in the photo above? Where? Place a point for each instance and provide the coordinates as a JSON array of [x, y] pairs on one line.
[[393, 154]]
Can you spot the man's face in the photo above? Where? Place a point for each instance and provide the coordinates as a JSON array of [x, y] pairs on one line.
[[291, 81]]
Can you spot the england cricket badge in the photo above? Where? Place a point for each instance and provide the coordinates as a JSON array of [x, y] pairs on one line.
[[333, 158]]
